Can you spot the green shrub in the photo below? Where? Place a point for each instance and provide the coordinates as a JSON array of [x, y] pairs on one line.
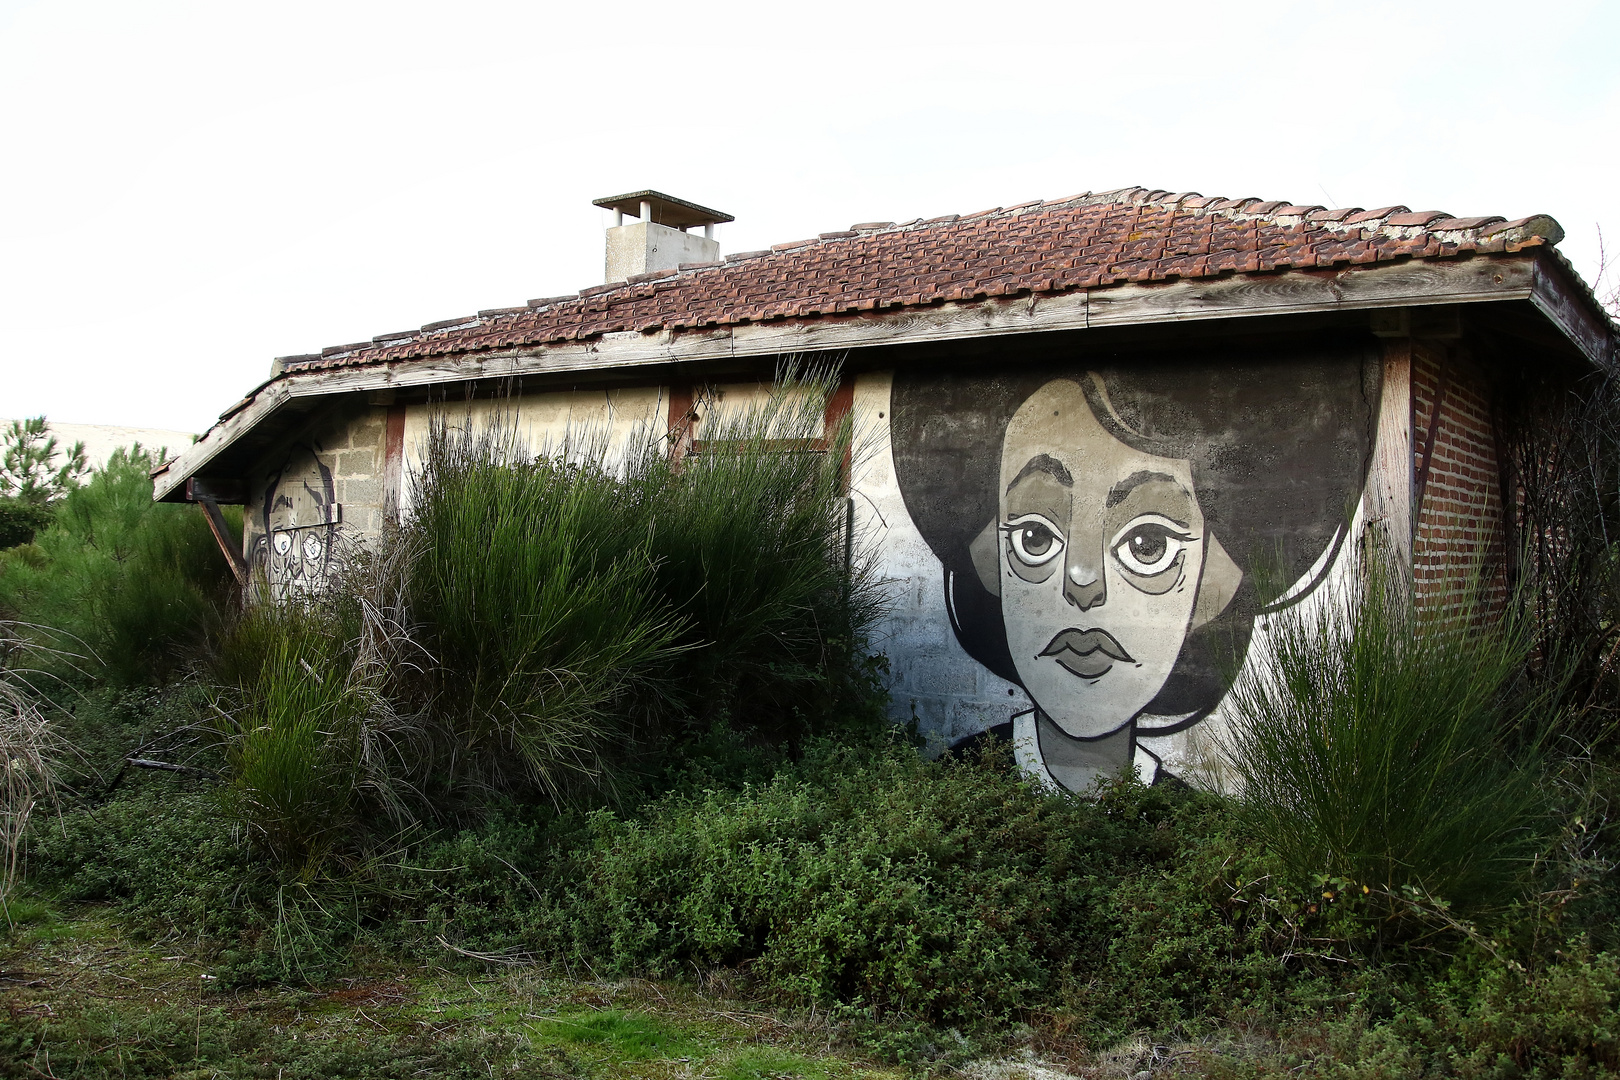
[[131, 585], [561, 626], [591, 619], [292, 741], [750, 546], [538, 604], [21, 520], [949, 891], [1385, 745], [168, 856]]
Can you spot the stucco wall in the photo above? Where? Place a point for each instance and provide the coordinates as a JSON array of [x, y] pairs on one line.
[[544, 423]]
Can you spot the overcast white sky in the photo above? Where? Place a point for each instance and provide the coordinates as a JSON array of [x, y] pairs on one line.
[[190, 189]]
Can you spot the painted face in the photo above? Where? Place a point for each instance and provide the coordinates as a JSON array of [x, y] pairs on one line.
[[1101, 548]]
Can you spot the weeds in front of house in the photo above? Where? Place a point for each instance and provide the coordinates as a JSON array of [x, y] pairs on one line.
[[472, 754], [558, 624], [1389, 745]]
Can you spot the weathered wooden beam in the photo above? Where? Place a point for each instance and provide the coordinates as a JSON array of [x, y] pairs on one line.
[[222, 536], [1380, 286], [1556, 296], [1388, 494], [231, 492]]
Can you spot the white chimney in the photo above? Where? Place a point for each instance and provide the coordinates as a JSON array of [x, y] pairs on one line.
[[659, 240]]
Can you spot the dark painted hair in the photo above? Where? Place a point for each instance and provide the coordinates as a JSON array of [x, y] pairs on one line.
[[1279, 442]]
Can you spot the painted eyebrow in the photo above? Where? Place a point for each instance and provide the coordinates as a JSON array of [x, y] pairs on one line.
[[1119, 491], [1044, 463]]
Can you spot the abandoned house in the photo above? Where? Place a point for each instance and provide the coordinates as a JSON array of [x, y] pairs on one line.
[[1096, 418]]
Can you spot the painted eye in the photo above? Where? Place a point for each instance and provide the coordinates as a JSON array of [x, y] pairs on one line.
[[1149, 548], [1033, 541]]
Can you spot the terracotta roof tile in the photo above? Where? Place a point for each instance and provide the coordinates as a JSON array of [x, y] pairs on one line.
[[1083, 242], [1421, 217], [1374, 215]]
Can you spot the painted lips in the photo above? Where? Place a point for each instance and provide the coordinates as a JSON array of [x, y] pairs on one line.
[[1086, 653]]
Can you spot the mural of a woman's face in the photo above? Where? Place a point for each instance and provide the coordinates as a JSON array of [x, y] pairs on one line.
[[1100, 552], [1094, 512]]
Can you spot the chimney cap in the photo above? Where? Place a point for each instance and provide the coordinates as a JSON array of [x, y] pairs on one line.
[[666, 209]]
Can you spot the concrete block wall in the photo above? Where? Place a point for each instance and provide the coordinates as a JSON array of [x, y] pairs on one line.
[[358, 452], [320, 490]]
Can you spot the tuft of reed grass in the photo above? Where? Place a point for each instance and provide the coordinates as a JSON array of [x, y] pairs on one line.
[[1388, 742], [588, 615], [29, 750], [751, 538], [563, 624], [535, 589], [291, 733]]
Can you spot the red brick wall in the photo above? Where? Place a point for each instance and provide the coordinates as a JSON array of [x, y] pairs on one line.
[[1457, 509]]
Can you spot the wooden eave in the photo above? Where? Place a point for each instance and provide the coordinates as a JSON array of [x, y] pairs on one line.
[[1538, 279]]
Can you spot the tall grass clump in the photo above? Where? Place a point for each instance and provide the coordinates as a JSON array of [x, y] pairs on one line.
[[592, 615], [139, 584], [322, 743], [535, 590], [576, 624], [292, 734], [751, 541], [1386, 741], [28, 752]]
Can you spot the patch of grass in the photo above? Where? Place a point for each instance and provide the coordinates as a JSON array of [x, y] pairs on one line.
[[97, 1004], [766, 1063], [19, 911], [626, 1034]]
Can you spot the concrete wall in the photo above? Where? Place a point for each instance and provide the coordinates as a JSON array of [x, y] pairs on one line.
[[644, 246], [1067, 548]]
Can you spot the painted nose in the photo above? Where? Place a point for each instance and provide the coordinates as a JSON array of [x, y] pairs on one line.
[[1084, 588]]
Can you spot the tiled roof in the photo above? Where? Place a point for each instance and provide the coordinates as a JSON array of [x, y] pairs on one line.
[[1082, 242]]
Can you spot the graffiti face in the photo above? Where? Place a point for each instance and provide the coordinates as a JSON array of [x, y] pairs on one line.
[[1108, 536], [1102, 548], [300, 516]]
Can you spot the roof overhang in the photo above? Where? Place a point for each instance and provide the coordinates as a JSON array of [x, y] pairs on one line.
[[1539, 277]]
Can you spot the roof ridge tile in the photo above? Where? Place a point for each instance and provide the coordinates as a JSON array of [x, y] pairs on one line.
[[1417, 217], [1374, 215], [446, 324]]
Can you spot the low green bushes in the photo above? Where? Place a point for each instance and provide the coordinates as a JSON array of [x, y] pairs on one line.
[[904, 896], [868, 879]]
